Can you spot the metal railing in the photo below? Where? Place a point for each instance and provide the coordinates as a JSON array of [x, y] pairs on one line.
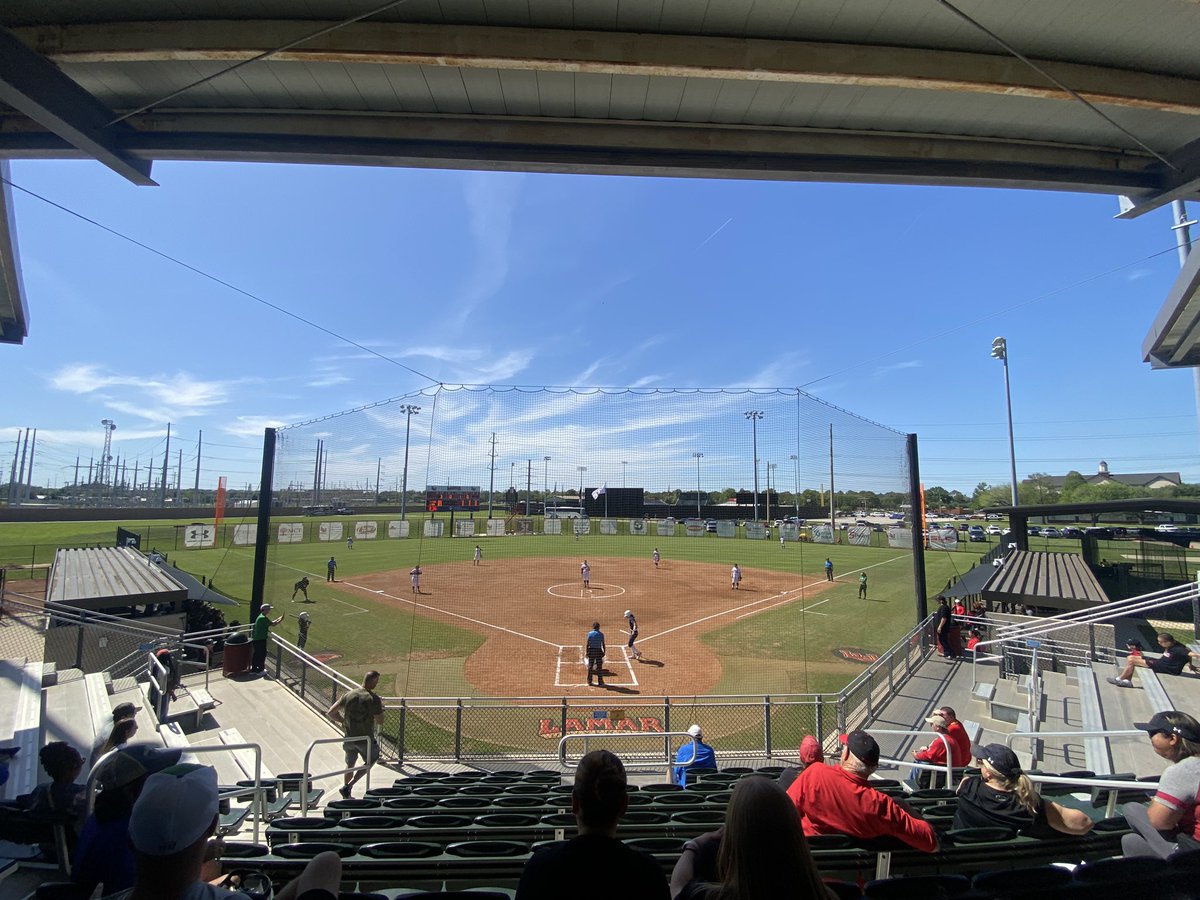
[[307, 778], [911, 732], [669, 763]]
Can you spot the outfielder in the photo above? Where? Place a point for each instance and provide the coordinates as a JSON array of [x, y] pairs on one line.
[[301, 587], [656, 557]]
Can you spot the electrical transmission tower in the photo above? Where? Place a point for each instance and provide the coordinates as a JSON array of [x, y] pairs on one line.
[[106, 457]]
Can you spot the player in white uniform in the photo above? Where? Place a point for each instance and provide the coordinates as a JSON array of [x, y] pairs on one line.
[[633, 633], [478, 555], [415, 572], [656, 557], [585, 572], [735, 577]]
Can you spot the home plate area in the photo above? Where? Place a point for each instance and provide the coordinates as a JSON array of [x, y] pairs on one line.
[[571, 668]]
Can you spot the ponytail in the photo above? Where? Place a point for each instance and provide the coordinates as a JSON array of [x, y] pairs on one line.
[[1027, 794]]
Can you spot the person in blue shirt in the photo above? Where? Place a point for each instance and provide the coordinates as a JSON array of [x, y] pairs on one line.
[[595, 653], [705, 757], [828, 569]]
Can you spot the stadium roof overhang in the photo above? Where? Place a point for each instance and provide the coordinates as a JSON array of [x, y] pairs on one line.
[[1055, 580], [830, 90], [1174, 338], [106, 577]]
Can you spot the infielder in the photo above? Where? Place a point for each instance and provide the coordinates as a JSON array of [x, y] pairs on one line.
[[656, 557], [633, 633], [478, 555], [585, 572], [735, 577], [301, 587], [415, 573]]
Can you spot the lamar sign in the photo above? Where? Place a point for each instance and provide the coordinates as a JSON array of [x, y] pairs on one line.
[[550, 729], [856, 654]]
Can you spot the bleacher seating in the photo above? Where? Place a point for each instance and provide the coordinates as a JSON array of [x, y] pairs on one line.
[[20, 723], [1095, 748]]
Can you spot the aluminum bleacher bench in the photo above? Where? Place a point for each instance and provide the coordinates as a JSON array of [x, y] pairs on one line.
[[1155, 692], [23, 728], [1095, 748]]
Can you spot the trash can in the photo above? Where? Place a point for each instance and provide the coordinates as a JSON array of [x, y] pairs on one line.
[[954, 640], [237, 655]]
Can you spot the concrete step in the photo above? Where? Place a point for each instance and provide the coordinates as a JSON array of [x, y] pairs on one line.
[[1009, 701], [49, 674]]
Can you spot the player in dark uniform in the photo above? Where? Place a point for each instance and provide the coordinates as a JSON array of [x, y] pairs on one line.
[[633, 633], [595, 654]]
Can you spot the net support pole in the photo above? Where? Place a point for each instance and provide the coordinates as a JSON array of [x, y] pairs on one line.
[[918, 539], [266, 480]]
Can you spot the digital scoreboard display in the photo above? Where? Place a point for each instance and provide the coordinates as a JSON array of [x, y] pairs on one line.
[[451, 498]]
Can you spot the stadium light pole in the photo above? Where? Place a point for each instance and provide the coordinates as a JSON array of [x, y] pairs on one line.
[[623, 465], [770, 468], [699, 456], [1000, 352], [545, 481], [754, 415], [409, 410], [796, 496], [581, 469]]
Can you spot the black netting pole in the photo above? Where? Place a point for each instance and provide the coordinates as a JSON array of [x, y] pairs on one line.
[[265, 482], [918, 538]]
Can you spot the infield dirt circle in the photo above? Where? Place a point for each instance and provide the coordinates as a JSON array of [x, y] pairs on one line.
[[535, 615]]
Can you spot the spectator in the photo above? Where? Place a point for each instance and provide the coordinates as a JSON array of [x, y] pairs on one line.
[[581, 867], [958, 735], [1168, 824], [839, 800], [169, 829], [61, 794], [973, 639], [959, 609], [122, 733], [103, 854], [811, 753], [1134, 648], [260, 631], [762, 851], [1174, 658], [120, 711], [941, 627], [304, 621], [359, 712], [1001, 794], [934, 753], [704, 757]]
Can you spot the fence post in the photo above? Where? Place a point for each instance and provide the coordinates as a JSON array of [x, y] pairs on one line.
[[819, 724], [79, 642], [562, 723], [666, 727], [841, 714], [458, 711], [767, 724], [400, 731], [1092, 642], [303, 679]]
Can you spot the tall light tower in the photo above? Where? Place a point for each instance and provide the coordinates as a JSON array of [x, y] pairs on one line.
[[106, 457], [581, 469], [699, 456], [1000, 352], [796, 496], [409, 410], [754, 415], [623, 465], [545, 480], [771, 467]]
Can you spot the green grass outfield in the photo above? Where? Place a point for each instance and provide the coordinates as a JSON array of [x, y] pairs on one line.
[[777, 651]]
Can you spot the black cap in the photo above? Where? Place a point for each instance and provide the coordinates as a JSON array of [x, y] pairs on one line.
[[863, 746], [1160, 722], [999, 757]]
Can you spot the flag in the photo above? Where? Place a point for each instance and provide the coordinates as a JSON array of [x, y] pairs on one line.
[[603, 489], [219, 512]]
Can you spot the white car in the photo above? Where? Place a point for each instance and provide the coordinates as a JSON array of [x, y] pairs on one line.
[[1167, 528], [994, 529]]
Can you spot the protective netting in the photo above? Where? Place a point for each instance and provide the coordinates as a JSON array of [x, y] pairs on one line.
[[476, 585]]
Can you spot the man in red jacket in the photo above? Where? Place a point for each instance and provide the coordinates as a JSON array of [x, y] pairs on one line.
[[838, 799], [935, 753]]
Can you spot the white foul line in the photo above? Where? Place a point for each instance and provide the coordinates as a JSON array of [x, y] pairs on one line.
[[819, 602]]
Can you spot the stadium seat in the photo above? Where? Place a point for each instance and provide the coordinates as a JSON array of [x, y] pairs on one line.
[[1186, 861], [1119, 869], [487, 848], [435, 790], [1115, 823], [309, 849], [843, 890], [521, 788], [360, 895], [509, 773], [373, 822], [988, 834], [771, 771], [473, 803], [521, 802], [926, 887], [737, 771], [507, 820], [299, 823], [440, 820], [830, 842], [1013, 882], [680, 798], [713, 817], [645, 817], [455, 895], [244, 850], [400, 850], [336, 809], [662, 844], [559, 820], [482, 790], [382, 793], [410, 803]]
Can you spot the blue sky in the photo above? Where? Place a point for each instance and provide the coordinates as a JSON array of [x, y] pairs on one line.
[[881, 300]]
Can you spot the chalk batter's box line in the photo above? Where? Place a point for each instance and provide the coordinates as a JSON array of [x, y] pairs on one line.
[[582, 661]]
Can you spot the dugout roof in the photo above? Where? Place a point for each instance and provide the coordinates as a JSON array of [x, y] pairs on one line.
[[104, 577], [1098, 96], [1056, 580]]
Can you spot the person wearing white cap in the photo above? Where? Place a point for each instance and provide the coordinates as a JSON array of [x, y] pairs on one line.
[[169, 829], [701, 756], [305, 621], [260, 631], [633, 633]]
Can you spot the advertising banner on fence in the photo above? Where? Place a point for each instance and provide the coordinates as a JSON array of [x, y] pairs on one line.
[[822, 533], [943, 539], [608, 526], [290, 533], [244, 535], [329, 531], [366, 531], [900, 538], [195, 536], [756, 531], [524, 526], [398, 529], [726, 528], [860, 535], [694, 528], [550, 526], [637, 526], [464, 528], [495, 527], [434, 528], [789, 531], [666, 527], [581, 526]]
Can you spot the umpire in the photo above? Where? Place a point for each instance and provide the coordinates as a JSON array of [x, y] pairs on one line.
[[595, 654]]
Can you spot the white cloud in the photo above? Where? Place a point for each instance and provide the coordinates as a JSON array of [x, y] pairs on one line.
[[892, 367], [252, 426], [492, 201], [155, 398]]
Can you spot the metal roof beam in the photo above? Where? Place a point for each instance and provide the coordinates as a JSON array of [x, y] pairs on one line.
[[1182, 183], [36, 87]]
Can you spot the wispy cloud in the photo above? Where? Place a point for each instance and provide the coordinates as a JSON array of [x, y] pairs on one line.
[[252, 426], [155, 398], [720, 228], [1138, 274], [491, 204], [475, 365], [327, 376], [892, 367]]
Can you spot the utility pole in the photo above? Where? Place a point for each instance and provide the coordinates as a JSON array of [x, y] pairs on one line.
[[75, 483], [199, 447], [378, 469], [12, 478], [754, 415], [162, 493], [179, 476], [491, 475], [832, 511]]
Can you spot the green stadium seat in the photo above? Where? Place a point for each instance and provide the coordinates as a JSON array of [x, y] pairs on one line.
[[528, 789], [412, 781], [509, 773], [507, 820], [521, 802], [400, 850], [383, 793], [723, 777], [708, 787], [309, 849], [337, 809], [640, 800], [373, 822], [644, 817], [487, 849], [298, 823], [662, 844], [680, 798], [560, 789], [482, 790], [410, 803], [455, 803], [771, 771], [666, 787], [435, 790], [460, 780], [736, 771], [499, 779], [244, 850], [559, 820], [713, 817], [439, 820]]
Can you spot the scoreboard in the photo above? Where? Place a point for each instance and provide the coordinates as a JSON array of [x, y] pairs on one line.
[[451, 498]]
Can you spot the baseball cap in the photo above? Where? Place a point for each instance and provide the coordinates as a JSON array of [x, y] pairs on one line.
[[695, 731], [135, 761], [265, 606], [999, 757], [175, 809], [303, 615], [863, 746], [629, 612], [935, 719], [1160, 722], [810, 751]]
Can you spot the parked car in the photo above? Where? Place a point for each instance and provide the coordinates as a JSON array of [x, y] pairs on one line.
[[1100, 534], [1071, 531], [1167, 528], [976, 534], [710, 525], [994, 529], [965, 527], [1035, 529], [1051, 532]]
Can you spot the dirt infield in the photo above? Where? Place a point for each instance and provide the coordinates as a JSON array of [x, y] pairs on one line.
[[535, 615]]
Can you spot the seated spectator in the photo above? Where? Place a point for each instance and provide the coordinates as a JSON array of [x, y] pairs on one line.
[[1134, 648], [63, 764], [582, 867], [942, 721], [1001, 794], [762, 851], [1168, 824], [121, 734], [169, 829], [810, 753], [120, 712], [705, 758], [839, 800], [974, 637], [103, 855], [1175, 657]]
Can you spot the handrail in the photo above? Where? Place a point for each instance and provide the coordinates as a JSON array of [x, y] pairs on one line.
[[584, 736], [949, 767], [1041, 734], [306, 777], [313, 663]]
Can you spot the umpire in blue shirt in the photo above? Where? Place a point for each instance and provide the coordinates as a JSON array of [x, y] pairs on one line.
[[595, 654]]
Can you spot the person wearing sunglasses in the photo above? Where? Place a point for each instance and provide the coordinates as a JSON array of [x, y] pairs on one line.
[[1168, 823]]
